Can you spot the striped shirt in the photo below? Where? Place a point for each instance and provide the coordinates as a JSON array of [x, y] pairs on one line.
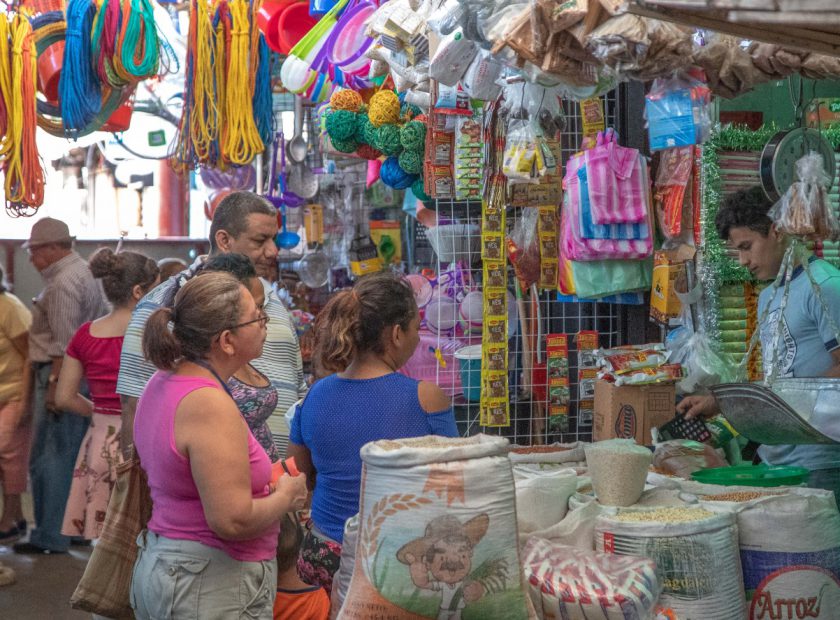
[[71, 296], [280, 360]]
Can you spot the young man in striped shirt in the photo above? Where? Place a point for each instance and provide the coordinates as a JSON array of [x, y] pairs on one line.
[[244, 223]]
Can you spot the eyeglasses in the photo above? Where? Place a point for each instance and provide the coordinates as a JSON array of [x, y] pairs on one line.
[[263, 319]]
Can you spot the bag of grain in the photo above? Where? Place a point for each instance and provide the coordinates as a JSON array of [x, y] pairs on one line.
[[696, 550], [556, 453], [790, 549], [542, 495], [572, 584], [341, 580], [618, 468], [437, 532]]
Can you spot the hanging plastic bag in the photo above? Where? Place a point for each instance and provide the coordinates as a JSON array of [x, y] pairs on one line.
[[805, 210], [672, 178], [678, 112], [524, 248], [596, 279], [453, 56], [521, 153], [480, 79]]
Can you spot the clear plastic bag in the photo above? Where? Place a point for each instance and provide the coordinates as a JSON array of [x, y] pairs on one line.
[[678, 112], [683, 457], [805, 210], [672, 178], [453, 56], [587, 584], [525, 253], [521, 153]]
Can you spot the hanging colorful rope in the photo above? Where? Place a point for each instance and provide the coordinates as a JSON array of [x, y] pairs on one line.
[[79, 87], [106, 30], [204, 125], [5, 88], [24, 183], [222, 26], [241, 140], [139, 47], [183, 151], [262, 100]]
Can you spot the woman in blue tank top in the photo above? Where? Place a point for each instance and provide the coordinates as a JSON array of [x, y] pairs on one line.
[[364, 336]]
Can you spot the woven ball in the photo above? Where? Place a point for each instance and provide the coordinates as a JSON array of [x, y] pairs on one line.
[[341, 124], [344, 146], [384, 107], [368, 152], [411, 162], [362, 124], [387, 140], [410, 110], [394, 176], [413, 136], [419, 190], [346, 99]]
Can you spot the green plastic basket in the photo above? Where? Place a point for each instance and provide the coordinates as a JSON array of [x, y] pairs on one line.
[[753, 476]]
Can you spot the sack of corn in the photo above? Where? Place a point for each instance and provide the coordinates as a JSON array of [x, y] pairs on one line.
[[542, 495], [696, 551], [437, 532], [790, 549]]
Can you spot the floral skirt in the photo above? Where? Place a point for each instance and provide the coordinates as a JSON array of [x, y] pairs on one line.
[[93, 478], [318, 560]]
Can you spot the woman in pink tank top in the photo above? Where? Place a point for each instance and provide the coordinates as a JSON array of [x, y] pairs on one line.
[[209, 551]]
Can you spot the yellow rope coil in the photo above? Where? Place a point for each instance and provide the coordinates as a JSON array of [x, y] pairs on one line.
[[242, 141], [6, 86], [204, 123]]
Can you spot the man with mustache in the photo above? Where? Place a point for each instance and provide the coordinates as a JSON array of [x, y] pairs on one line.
[[442, 560]]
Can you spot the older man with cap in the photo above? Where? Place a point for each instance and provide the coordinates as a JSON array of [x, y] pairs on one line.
[[71, 296]]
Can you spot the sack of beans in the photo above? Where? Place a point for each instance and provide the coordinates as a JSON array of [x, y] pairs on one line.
[[695, 549], [557, 453], [618, 468], [573, 584], [437, 532], [542, 495], [341, 579], [790, 548]]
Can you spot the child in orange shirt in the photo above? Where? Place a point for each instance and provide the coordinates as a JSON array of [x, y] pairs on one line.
[[296, 600]]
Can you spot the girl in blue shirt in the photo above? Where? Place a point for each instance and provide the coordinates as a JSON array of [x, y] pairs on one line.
[[363, 335]]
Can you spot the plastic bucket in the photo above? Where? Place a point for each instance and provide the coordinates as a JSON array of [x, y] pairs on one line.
[[267, 18], [469, 363]]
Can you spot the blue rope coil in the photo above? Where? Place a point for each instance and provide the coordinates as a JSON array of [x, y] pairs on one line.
[[79, 90], [262, 100]]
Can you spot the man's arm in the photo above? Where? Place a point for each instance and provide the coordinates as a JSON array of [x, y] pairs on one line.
[[834, 371], [129, 408]]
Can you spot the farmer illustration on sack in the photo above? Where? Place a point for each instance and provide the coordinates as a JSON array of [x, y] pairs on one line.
[[442, 559]]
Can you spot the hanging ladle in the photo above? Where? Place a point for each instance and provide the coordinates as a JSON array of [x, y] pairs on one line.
[[285, 239]]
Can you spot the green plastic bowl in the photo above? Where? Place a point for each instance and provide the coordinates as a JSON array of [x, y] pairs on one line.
[[753, 476]]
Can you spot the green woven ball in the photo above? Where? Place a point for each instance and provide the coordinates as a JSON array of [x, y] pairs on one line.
[[411, 162], [419, 191], [410, 110], [363, 128], [387, 140], [413, 136], [341, 124], [344, 146]]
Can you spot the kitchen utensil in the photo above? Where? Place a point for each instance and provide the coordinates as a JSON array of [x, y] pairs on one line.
[[296, 148], [780, 154], [286, 240], [314, 269]]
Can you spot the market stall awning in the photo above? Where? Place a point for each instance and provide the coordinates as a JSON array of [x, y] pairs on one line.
[[812, 25]]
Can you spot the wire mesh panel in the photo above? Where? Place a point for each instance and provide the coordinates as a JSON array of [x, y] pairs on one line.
[[536, 323]]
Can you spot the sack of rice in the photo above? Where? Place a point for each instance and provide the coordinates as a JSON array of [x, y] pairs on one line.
[[437, 532], [341, 579], [695, 549], [542, 495], [618, 468], [790, 549], [573, 584]]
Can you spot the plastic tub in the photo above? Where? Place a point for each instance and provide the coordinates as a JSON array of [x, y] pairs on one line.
[[753, 476], [349, 41], [469, 362], [267, 18], [293, 24]]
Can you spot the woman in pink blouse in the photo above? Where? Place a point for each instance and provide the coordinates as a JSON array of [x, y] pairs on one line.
[[94, 355]]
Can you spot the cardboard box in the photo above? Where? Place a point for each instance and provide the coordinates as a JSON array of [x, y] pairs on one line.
[[630, 411]]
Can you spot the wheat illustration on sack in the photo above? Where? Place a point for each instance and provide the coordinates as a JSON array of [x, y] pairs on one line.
[[445, 546]]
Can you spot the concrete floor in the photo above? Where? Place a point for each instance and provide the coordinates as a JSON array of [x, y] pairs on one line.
[[44, 582]]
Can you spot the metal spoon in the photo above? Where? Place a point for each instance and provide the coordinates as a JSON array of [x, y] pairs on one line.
[[296, 148]]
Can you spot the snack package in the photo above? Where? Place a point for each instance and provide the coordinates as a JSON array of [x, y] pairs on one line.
[[629, 361], [571, 583], [805, 209], [667, 373]]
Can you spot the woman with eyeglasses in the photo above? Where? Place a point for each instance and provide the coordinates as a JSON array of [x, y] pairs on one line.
[[210, 546]]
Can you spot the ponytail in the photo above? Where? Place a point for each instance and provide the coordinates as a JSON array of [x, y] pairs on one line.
[[335, 332], [160, 346], [353, 322]]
